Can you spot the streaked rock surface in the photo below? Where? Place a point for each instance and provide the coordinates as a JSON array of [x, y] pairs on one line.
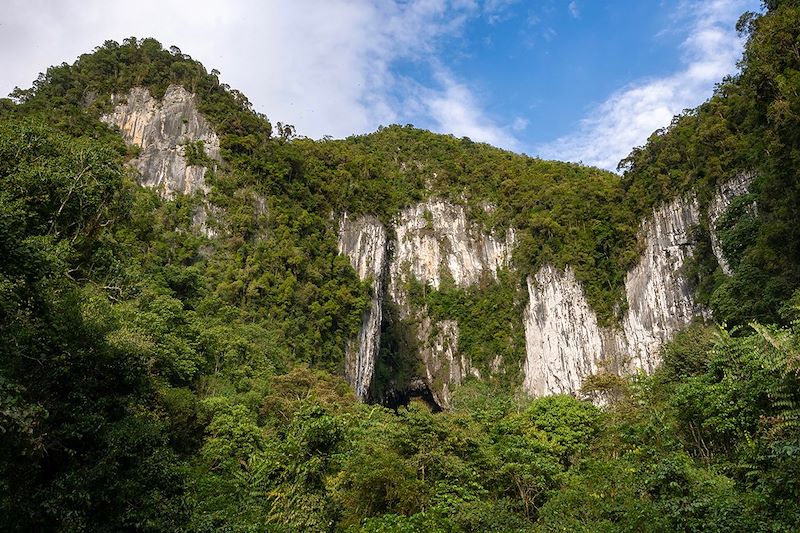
[[161, 128]]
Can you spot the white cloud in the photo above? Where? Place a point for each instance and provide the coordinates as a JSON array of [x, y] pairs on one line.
[[325, 67], [630, 115], [498, 10], [573, 9], [453, 109], [330, 67]]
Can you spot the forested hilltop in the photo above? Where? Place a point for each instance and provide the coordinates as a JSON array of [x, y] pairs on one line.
[[165, 371]]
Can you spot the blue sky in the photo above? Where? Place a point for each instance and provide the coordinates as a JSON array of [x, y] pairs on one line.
[[580, 80], [548, 63]]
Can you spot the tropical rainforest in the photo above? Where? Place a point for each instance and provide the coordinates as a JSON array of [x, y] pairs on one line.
[[157, 378]]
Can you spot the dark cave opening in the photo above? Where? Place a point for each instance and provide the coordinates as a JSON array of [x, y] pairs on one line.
[[417, 389]]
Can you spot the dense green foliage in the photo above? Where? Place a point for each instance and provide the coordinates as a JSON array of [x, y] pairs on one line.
[[489, 318], [563, 213], [153, 378]]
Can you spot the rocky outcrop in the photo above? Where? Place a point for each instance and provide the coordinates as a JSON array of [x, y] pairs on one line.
[[565, 344], [445, 366], [364, 241], [723, 197], [161, 130], [434, 240], [660, 299]]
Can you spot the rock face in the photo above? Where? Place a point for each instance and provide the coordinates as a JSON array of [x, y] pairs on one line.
[[432, 240], [445, 366], [435, 237], [564, 343], [660, 301], [161, 129], [738, 186], [364, 242], [435, 244]]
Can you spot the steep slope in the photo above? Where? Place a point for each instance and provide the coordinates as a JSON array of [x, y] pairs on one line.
[[364, 242], [430, 241], [603, 269], [156, 377]]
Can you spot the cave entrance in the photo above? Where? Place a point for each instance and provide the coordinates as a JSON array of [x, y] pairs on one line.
[[417, 389]]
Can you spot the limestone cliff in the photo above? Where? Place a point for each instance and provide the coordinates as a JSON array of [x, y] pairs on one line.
[[161, 130], [435, 239], [660, 300], [563, 339], [364, 242], [565, 344], [434, 243], [431, 240]]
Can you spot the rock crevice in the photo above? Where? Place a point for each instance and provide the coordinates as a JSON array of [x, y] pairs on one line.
[[364, 241]]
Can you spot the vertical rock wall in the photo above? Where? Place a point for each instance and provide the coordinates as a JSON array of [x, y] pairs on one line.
[[660, 300], [435, 239], [161, 129], [564, 342], [435, 236], [432, 240], [364, 241], [445, 366]]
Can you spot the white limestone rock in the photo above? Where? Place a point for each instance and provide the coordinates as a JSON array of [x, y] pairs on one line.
[[660, 299], [445, 367], [565, 344], [429, 238], [434, 239], [364, 241], [161, 129], [434, 236]]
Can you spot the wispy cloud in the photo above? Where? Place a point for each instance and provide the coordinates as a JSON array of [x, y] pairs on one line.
[[573, 9], [331, 68], [625, 120], [519, 123], [498, 10], [453, 108]]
